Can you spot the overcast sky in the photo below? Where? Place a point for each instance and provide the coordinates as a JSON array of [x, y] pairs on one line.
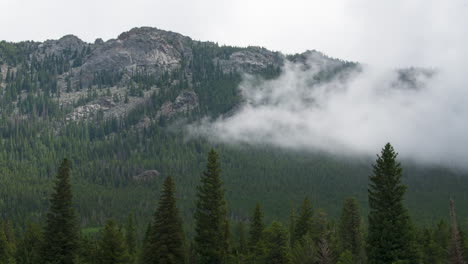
[[393, 33]]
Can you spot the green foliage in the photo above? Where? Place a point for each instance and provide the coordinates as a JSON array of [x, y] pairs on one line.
[[256, 227], [6, 249], [131, 237], [277, 246], [303, 224], [61, 232], [390, 236], [350, 230], [346, 258], [29, 247], [112, 248], [166, 242], [211, 215], [304, 252]]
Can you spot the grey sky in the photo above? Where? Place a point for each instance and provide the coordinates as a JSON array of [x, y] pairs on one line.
[[397, 33]]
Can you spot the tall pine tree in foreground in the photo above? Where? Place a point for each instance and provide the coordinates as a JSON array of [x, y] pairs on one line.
[[390, 237], [61, 232], [166, 241], [211, 223], [456, 248]]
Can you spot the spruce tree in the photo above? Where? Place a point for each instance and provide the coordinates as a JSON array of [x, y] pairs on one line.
[[256, 227], [256, 236], [390, 237], [277, 246], [112, 248], [61, 233], [350, 231], [304, 221], [456, 248], [211, 215], [166, 235]]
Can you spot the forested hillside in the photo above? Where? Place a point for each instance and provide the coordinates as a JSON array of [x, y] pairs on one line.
[[117, 109], [307, 236]]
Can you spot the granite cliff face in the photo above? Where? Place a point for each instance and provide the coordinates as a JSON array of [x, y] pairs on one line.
[[153, 50], [105, 77]]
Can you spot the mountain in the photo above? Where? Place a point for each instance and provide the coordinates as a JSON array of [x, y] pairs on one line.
[[112, 108]]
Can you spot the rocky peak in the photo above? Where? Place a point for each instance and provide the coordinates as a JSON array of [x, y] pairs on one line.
[[69, 43]]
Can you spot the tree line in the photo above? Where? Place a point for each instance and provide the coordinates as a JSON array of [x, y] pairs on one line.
[[389, 236]]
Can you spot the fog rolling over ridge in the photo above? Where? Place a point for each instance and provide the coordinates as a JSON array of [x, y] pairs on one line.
[[422, 112]]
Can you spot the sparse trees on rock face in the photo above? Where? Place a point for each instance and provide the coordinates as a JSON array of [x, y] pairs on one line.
[[390, 236], [61, 232], [166, 238], [211, 222]]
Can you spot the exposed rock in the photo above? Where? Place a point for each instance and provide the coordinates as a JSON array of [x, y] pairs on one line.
[[146, 175], [185, 102], [98, 41], [151, 49], [251, 60], [57, 47]]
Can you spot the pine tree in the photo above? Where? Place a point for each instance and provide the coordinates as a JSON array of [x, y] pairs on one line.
[[456, 248], [256, 227], [256, 236], [390, 237], [276, 240], [350, 233], [167, 236], [61, 233], [211, 215], [304, 221], [112, 248]]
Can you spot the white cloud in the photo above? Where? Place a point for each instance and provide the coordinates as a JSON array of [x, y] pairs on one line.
[[354, 115]]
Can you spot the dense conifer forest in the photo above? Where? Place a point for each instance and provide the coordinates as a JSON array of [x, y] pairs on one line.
[[386, 235]]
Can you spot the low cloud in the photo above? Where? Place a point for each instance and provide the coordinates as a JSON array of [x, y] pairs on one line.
[[423, 113]]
